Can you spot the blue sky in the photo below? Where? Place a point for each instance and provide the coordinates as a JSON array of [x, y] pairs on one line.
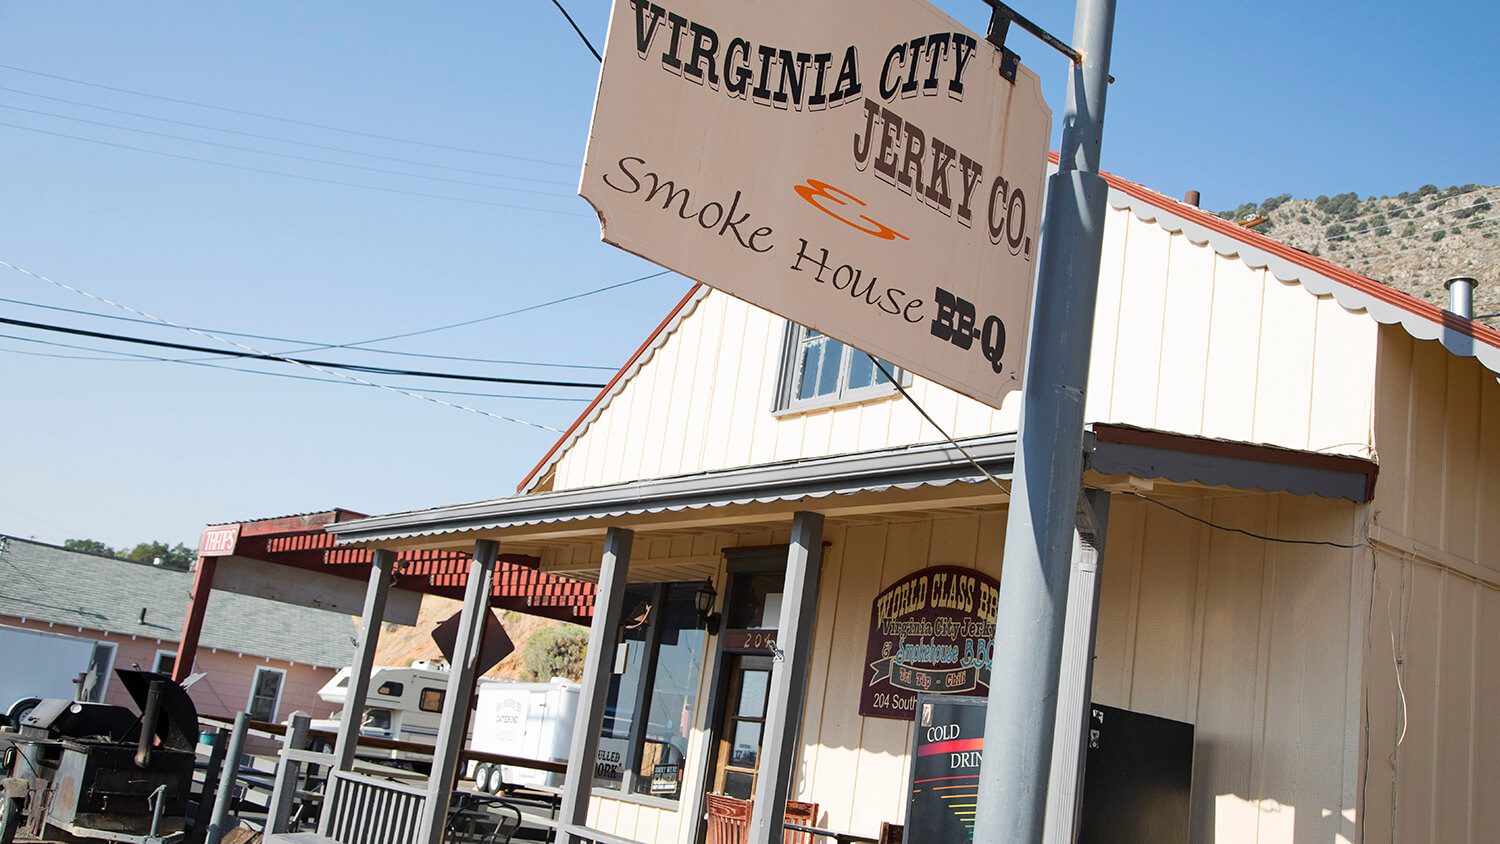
[[491, 103]]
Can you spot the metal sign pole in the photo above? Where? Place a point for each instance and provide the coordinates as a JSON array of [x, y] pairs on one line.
[[1029, 628]]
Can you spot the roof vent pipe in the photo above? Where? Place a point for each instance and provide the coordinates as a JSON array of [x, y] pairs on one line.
[[1461, 295], [1191, 198]]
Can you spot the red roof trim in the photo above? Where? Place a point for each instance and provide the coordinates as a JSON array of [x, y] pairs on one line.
[[521, 487], [1349, 278]]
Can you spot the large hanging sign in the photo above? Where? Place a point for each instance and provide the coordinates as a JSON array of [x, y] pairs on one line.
[[861, 168], [930, 633]]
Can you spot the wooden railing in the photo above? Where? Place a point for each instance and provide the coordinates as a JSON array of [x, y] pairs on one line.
[[372, 810]]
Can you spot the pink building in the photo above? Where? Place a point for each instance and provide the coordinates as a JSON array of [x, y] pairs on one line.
[[259, 656]]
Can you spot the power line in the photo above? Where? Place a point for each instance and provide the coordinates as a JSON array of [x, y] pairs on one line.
[[289, 156], [325, 371], [293, 175], [290, 120], [279, 140], [372, 370], [585, 38], [352, 347], [505, 314], [131, 357]]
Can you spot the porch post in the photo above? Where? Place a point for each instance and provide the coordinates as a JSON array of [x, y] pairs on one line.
[[192, 626], [460, 694], [779, 745], [359, 674], [597, 666], [1075, 684]]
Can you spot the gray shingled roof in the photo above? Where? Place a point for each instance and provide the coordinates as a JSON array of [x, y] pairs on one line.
[[95, 592]]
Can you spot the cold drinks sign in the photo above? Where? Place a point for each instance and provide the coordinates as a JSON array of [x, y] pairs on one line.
[[860, 168]]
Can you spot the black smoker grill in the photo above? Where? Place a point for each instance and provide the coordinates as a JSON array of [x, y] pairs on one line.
[[93, 770]]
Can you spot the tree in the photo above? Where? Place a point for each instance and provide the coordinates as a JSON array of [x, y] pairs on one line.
[[91, 546], [555, 652], [178, 557]]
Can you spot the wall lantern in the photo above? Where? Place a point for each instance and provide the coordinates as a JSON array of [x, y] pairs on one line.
[[703, 599]]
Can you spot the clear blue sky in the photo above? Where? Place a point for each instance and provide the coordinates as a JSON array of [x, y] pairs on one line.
[[1237, 101]]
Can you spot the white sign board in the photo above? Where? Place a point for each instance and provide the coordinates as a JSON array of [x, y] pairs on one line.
[[862, 168]]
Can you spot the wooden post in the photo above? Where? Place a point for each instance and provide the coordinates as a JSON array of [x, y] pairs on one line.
[[779, 746], [192, 626], [461, 675], [359, 679], [284, 791], [597, 667]]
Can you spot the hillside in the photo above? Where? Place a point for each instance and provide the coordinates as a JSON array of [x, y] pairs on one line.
[[1413, 241], [401, 645]]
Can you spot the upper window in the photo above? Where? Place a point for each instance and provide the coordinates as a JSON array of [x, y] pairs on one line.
[[819, 371], [391, 688], [431, 700]]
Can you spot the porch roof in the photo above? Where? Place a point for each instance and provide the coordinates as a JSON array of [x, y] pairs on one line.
[[867, 482]]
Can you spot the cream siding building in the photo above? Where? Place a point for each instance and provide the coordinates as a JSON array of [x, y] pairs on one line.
[[1325, 629]]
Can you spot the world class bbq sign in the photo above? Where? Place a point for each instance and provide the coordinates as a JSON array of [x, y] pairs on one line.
[[930, 633], [862, 168]]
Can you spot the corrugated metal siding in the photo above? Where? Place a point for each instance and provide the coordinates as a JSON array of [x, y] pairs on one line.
[[1186, 340], [1256, 643], [1433, 751]]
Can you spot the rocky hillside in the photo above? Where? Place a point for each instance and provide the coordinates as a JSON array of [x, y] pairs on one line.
[[402, 645], [1413, 241]]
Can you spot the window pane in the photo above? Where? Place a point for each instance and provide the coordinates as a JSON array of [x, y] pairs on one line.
[[738, 784], [861, 370], [391, 688], [753, 686], [745, 746], [263, 699], [674, 694], [619, 705], [812, 356], [431, 700], [828, 373]]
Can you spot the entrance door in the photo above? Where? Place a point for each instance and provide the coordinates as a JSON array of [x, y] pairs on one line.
[[737, 754]]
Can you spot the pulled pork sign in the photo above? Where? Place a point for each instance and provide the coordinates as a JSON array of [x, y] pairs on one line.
[[861, 168], [930, 633]]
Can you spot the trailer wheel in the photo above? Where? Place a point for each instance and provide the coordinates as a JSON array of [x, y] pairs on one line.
[[20, 709], [10, 819], [481, 775]]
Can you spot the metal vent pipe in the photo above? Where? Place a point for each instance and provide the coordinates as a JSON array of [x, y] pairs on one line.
[[1192, 198], [1461, 295]]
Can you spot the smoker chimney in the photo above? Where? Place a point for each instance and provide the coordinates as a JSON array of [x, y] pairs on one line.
[[1191, 198], [1461, 295]]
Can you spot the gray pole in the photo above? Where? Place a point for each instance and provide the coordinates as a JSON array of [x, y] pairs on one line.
[[1029, 627], [224, 798]]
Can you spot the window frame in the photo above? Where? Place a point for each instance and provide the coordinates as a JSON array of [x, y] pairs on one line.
[[156, 663], [785, 401], [280, 689], [634, 786]]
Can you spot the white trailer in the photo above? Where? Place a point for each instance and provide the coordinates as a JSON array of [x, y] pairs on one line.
[[531, 720], [38, 664]]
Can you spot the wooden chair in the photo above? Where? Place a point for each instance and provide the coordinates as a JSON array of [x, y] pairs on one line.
[[802, 814], [729, 819], [891, 833]]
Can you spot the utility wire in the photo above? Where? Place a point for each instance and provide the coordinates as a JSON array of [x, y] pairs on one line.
[[1250, 534], [289, 156], [585, 38], [352, 367], [951, 441], [131, 357], [505, 314], [279, 140], [290, 120], [293, 175], [324, 370]]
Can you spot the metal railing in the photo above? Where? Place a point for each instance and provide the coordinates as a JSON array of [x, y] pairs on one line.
[[372, 810]]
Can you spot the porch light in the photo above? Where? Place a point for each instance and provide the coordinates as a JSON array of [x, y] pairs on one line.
[[703, 599]]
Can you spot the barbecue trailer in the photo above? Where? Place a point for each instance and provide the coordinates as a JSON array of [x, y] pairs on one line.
[[99, 771]]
